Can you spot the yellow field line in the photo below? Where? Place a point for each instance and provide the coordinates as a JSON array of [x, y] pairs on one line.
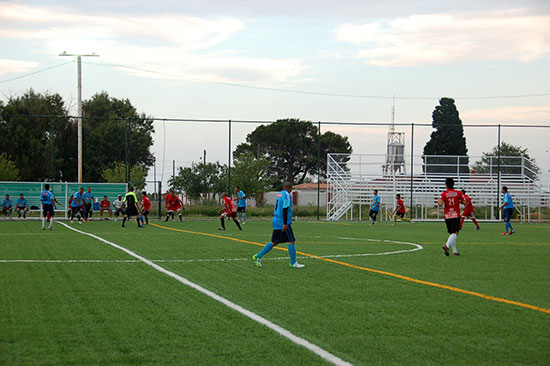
[[395, 275]]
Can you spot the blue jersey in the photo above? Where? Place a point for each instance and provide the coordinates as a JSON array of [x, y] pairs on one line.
[[21, 202], [375, 203], [77, 198], [88, 197], [284, 200], [242, 201], [507, 199], [7, 203], [46, 197]]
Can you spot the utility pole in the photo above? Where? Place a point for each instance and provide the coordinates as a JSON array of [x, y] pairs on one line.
[[79, 72], [204, 159]]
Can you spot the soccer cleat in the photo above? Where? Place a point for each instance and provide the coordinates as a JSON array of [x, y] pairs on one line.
[[43, 228], [446, 250], [221, 229], [512, 232], [504, 233], [72, 221], [297, 265], [456, 254], [257, 260], [50, 228], [477, 228]]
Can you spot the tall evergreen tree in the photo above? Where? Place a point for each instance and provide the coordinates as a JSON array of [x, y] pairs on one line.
[[447, 139]]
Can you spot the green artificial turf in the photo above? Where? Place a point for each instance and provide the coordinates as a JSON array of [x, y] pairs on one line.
[[114, 310]]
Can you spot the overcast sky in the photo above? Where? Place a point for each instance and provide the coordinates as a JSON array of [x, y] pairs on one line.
[[180, 52]]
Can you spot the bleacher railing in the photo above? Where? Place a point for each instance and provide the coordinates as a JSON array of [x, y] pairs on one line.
[[352, 178]]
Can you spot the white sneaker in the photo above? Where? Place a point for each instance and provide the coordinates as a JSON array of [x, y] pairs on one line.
[[297, 265]]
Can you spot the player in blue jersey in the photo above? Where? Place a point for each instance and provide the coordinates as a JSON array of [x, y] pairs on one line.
[[375, 207], [88, 204], [508, 206], [48, 206], [21, 205], [241, 205], [77, 205], [282, 228], [7, 206]]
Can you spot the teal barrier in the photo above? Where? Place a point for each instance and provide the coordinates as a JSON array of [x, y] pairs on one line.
[[62, 192]]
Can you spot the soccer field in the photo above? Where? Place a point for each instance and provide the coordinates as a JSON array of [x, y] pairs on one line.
[[377, 294]]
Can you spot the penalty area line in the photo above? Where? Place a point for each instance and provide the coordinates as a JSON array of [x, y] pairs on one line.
[[327, 356]]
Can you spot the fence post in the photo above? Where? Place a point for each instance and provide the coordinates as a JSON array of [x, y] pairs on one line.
[[412, 166], [160, 199], [229, 162], [498, 174], [319, 172]]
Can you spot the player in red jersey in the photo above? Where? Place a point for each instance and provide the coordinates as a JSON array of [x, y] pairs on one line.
[[229, 211], [451, 200], [173, 204], [105, 205], [468, 212], [399, 210], [146, 204]]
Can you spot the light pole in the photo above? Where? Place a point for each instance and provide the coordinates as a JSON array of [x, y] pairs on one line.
[[79, 122]]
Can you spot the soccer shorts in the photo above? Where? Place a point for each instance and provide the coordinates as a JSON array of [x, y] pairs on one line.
[[145, 212], [280, 236], [241, 209], [453, 225], [118, 211], [468, 213], [508, 214], [131, 210], [48, 209], [233, 215], [400, 214]]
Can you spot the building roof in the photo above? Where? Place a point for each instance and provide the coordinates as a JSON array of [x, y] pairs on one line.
[[310, 186]]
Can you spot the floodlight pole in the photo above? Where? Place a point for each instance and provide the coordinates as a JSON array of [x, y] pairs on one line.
[[79, 117]]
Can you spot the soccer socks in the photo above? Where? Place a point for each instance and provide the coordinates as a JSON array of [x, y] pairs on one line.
[[240, 215], [238, 225], [223, 223], [245, 218], [475, 222], [405, 219], [510, 226], [43, 223], [292, 253], [124, 221], [140, 218], [167, 216], [51, 222], [181, 217], [266, 250], [451, 242], [146, 220]]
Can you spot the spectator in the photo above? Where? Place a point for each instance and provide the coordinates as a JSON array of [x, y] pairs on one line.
[[105, 205], [7, 206], [21, 205]]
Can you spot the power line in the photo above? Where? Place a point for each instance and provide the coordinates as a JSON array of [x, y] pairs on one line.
[[307, 92], [36, 72]]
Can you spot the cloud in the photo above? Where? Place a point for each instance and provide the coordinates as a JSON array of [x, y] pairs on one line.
[[450, 38], [174, 44], [8, 65], [510, 114]]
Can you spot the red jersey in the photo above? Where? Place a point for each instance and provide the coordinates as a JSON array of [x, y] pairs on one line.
[[172, 202], [400, 206], [452, 200], [105, 204], [468, 203], [146, 203], [229, 206]]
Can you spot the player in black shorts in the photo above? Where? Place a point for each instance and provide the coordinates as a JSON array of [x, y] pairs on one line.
[[132, 207]]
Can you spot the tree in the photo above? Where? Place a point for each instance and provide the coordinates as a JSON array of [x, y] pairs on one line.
[[511, 161], [116, 173], [200, 179], [290, 147], [106, 123], [8, 170], [30, 126], [447, 139], [250, 174]]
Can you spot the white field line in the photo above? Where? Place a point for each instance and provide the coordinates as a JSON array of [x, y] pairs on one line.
[[327, 356]]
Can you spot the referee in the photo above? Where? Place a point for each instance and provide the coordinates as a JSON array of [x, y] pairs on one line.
[[132, 207]]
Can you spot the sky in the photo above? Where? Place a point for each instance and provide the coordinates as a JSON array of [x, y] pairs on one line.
[[239, 59]]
